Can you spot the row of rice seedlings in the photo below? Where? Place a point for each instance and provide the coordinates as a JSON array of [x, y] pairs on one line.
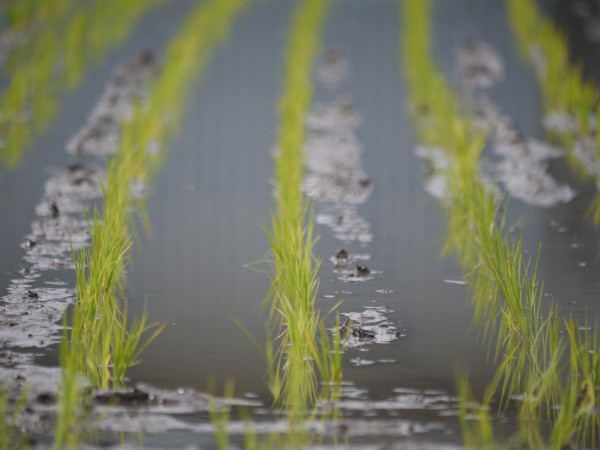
[[304, 353], [52, 59], [103, 343], [564, 87], [529, 350]]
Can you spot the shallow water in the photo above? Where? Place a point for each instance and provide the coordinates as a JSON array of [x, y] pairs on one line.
[[208, 204]]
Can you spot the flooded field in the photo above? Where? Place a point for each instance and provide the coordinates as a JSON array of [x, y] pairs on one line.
[[299, 224]]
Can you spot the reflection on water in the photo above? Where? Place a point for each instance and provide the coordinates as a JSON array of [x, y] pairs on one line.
[[51, 56]]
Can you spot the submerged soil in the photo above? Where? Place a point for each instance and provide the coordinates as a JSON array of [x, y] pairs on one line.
[[404, 309]]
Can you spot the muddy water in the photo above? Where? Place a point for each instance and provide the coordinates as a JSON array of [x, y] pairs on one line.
[[209, 201]]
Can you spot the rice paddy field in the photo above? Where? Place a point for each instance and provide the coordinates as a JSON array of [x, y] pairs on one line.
[[289, 224]]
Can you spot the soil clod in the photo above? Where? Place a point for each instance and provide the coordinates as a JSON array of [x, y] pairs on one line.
[[361, 271], [341, 258], [54, 212], [46, 398], [135, 397]]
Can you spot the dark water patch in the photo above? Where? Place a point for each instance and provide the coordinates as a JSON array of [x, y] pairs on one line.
[[579, 22]]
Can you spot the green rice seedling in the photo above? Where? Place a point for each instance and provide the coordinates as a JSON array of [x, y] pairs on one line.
[[70, 33], [295, 280], [304, 353], [71, 401], [12, 437], [475, 420], [584, 380], [220, 414]]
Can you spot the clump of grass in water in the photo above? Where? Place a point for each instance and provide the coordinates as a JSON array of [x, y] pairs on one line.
[[102, 344], [529, 350], [68, 31]]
